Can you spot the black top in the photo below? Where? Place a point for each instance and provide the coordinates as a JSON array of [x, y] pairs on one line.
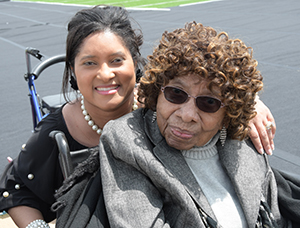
[[40, 159]]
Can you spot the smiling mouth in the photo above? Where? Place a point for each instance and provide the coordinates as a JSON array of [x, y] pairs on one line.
[[108, 90], [105, 89]]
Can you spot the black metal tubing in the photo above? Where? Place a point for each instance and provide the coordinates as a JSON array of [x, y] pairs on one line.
[[64, 152], [46, 63]]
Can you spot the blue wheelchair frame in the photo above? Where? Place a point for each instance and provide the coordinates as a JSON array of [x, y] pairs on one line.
[[40, 108], [37, 104]]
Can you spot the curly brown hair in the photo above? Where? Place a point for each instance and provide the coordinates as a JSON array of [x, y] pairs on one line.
[[227, 64]]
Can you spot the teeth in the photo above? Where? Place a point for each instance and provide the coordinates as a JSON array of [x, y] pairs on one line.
[[107, 88]]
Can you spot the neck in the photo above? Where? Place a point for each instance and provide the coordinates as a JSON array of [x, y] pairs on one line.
[[203, 152], [101, 117]]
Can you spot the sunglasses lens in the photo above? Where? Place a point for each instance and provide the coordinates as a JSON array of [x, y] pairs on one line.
[[175, 95], [208, 104], [204, 103]]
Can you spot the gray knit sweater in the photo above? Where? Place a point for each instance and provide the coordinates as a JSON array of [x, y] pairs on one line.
[[214, 182]]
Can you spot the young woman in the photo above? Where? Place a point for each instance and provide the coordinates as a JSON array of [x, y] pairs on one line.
[[102, 58]]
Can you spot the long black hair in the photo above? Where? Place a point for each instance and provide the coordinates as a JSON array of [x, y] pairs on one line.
[[97, 19]]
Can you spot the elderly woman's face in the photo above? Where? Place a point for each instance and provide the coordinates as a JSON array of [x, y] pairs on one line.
[[185, 125]]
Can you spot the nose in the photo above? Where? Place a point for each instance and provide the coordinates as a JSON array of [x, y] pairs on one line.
[[105, 73], [188, 111]]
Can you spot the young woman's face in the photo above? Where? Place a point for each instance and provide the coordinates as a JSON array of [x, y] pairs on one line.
[[105, 71], [185, 125]]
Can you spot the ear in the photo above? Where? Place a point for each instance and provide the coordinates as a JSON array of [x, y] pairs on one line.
[[72, 70], [73, 83], [138, 72], [138, 75]]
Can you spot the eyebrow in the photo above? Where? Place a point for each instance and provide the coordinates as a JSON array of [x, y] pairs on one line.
[[183, 82], [113, 54], [87, 57], [206, 90], [118, 53]]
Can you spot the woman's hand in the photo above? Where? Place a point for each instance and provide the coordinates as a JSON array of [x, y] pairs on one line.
[[262, 137]]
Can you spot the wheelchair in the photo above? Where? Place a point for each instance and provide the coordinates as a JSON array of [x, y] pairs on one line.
[[41, 107]]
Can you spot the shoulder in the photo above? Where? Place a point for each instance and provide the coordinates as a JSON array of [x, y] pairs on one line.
[[53, 120], [125, 138], [40, 137], [241, 149], [135, 117], [57, 121], [128, 125], [241, 156], [40, 144]]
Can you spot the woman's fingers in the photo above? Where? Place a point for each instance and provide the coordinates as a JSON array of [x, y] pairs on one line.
[[263, 129]]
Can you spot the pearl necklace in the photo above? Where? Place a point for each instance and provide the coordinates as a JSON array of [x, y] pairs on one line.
[[88, 118]]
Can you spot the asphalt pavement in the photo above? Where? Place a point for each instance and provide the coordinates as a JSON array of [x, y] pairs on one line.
[[271, 27]]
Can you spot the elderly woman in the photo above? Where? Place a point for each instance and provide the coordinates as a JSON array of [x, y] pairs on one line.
[[184, 160]]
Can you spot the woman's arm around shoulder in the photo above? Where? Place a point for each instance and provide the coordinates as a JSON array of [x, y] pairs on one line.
[[260, 136]]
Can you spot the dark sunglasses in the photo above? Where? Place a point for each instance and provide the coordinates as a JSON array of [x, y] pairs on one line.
[[179, 96]]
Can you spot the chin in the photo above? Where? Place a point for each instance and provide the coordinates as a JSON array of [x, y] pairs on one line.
[[185, 148], [179, 145]]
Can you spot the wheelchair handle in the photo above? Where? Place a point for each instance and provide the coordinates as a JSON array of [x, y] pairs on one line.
[[46, 63]]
